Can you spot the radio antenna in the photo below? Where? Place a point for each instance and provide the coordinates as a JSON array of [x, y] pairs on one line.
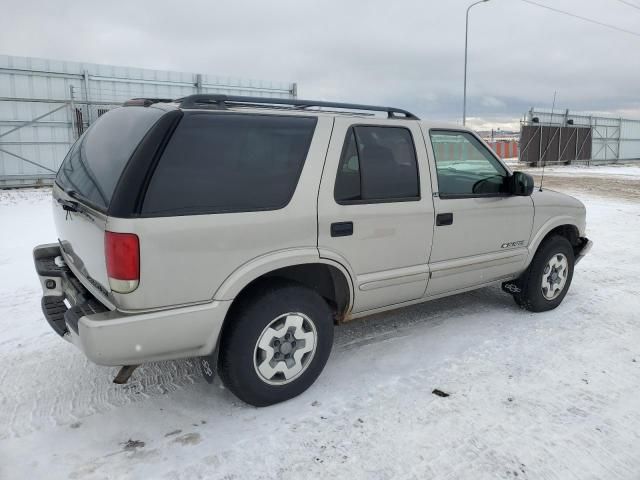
[[546, 148]]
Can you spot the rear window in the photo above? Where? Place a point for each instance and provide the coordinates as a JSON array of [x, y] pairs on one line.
[[217, 163], [94, 164]]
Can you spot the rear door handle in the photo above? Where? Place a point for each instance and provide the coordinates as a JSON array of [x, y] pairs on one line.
[[444, 219], [341, 229]]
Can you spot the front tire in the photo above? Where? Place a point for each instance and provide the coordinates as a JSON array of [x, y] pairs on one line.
[[545, 283], [276, 343]]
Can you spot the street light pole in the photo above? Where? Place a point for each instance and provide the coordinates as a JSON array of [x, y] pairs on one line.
[[466, 37]]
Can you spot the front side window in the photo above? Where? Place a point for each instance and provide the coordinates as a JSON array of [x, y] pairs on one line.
[[378, 164], [218, 163], [465, 166]]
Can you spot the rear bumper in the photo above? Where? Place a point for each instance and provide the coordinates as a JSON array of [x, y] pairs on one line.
[[110, 337], [583, 249]]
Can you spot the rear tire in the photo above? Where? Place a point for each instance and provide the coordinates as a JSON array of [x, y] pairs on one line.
[[545, 283], [276, 343]]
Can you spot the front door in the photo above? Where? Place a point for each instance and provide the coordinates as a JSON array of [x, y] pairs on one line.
[[375, 213], [482, 232]]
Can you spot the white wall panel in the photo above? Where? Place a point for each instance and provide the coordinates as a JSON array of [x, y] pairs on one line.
[[48, 141]]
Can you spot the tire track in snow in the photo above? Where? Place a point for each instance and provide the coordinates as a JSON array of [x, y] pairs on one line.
[[554, 425], [70, 387]]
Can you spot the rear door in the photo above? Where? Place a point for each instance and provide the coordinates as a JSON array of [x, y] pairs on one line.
[[375, 212], [482, 232]]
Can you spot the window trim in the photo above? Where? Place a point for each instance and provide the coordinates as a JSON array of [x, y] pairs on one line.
[[458, 196], [375, 200]]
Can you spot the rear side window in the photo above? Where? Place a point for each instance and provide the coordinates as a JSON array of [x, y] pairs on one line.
[[218, 163], [378, 164], [94, 164]]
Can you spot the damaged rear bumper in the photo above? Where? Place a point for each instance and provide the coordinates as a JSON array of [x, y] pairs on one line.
[[112, 337]]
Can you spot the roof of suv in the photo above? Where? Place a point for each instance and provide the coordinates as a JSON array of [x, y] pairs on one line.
[[236, 103], [231, 102]]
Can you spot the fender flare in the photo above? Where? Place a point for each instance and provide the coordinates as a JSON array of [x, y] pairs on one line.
[[544, 230], [259, 266]]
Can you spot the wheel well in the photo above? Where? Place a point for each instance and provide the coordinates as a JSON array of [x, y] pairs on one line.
[[328, 281], [570, 232]]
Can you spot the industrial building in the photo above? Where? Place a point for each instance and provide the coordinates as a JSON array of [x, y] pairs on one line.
[[46, 104]]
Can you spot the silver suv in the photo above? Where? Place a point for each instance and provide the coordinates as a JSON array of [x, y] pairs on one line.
[[240, 230]]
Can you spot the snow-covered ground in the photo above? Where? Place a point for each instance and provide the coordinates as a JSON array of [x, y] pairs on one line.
[[553, 395], [626, 170], [629, 171]]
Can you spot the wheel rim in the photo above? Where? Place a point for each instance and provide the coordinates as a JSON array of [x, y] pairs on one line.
[[554, 276], [285, 348]]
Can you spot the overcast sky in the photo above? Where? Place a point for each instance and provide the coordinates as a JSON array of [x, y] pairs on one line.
[[404, 52]]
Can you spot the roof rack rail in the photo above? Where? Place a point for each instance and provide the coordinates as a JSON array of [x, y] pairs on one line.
[[144, 102], [224, 101]]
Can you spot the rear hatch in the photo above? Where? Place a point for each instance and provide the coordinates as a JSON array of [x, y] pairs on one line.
[[84, 188]]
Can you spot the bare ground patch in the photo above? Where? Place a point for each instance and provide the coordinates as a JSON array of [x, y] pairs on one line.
[[610, 187]]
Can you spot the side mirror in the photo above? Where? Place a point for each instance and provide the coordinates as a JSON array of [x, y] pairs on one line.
[[521, 184]]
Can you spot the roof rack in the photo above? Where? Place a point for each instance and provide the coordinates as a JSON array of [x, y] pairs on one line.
[[145, 102], [224, 101]]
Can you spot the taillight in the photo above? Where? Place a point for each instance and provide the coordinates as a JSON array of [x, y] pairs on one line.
[[122, 254]]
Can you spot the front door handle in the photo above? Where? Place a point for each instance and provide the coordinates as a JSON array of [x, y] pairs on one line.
[[444, 219], [341, 229]]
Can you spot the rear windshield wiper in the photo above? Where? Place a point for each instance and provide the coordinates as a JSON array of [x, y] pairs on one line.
[[76, 207], [68, 206]]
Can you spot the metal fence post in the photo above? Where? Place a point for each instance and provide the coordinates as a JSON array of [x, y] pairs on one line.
[[72, 104], [619, 137], [85, 76], [559, 142], [577, 138], [591, 127], [564, 124], [539, 162], [604, 141]]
